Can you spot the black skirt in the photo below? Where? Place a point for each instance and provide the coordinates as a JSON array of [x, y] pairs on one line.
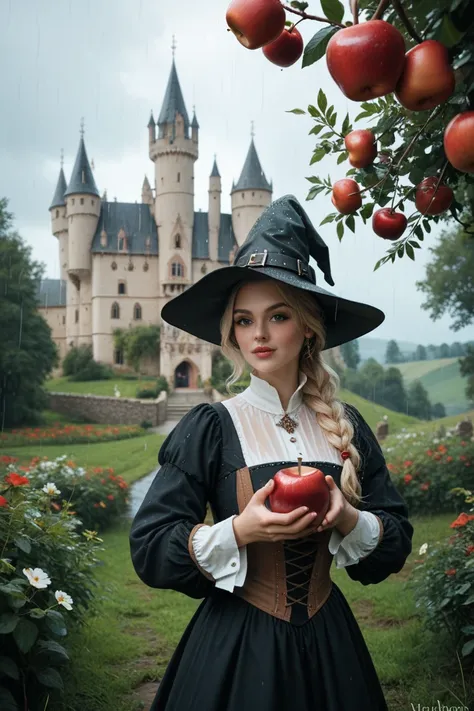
[[235, 657]]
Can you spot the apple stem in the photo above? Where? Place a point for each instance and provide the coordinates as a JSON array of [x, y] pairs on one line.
[[405, 21], [382, 6], [355, 11], [305, 16], [300, 459]]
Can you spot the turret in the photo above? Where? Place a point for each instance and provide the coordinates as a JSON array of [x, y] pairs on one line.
[[194, 128], [250, 195], [151, 129], [59, 224], [147, 194], [215, 190]]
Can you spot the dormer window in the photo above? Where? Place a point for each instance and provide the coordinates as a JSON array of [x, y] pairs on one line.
[[177, 269], [177, 242], [122, 241], [103, 238]]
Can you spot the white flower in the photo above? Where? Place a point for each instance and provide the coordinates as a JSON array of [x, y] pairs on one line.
[[51, 489], [423, 549], [37, 578], [63, 599]]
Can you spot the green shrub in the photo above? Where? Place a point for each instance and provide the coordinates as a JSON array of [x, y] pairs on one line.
[[443, 582], [92, 371], [146, 424], [425, 470], [162, 384], [147, 393], [46, 567], [77, 359]]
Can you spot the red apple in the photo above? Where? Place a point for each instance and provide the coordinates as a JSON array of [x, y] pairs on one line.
[[291, 490], [427, 79], [346, 196], [286, 49], [389, 224], [256, 22], [366, 60], [432, 201], [362, 147], [459, 142]]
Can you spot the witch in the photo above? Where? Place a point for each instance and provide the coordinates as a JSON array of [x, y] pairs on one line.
[[273, 632]]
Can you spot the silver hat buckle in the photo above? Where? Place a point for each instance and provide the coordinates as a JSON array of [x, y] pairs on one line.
[[257, 259]]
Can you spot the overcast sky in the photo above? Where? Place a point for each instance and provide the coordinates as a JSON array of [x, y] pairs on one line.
[[109, 62]]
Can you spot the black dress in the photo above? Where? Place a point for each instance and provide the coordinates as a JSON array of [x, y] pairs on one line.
[[233, 656]]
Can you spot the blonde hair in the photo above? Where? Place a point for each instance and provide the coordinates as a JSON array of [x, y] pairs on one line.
[[319, 391]]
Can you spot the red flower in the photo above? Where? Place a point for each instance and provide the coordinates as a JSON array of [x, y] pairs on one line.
[[437, 457], [462, 458], [461, 520], [16, 480], [425, 486], [469, 550], [442, 449], [429, 452], [3, 501], [408, 463], [450, 571], [449, 459], [407, 478], [111, 497]]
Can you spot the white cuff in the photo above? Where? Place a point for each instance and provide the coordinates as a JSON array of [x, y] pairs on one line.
[[361, 541], [217, 552]]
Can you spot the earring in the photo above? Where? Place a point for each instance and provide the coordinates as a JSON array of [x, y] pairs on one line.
[[309, 352]]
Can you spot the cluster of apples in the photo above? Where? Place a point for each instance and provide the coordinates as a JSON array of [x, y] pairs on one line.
[[368, 60]]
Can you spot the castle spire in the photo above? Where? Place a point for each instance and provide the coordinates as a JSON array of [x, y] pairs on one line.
[[58, 198], [252, 175], [82, 178], [215, 170], [173, 101]]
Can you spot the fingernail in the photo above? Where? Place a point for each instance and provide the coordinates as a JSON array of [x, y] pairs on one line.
[[269, 483], [313, 514]]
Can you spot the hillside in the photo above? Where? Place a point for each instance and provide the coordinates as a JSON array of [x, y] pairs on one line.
[[376, 348]]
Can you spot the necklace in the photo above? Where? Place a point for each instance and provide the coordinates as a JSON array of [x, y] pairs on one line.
[[288, 423]]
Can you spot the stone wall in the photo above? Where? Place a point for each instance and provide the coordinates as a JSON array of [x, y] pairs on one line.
[[111, 410]]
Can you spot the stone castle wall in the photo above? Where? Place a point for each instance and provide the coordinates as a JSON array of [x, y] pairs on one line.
[[111, 410]]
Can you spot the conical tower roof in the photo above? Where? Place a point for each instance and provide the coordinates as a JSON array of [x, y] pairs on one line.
[[58, 199], [173, 101], [252, 175], [82, 179], [215, 170]]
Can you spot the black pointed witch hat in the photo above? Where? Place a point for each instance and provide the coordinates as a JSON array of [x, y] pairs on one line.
[[278, 246]]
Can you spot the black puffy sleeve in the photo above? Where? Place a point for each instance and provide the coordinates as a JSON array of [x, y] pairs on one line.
[[175, 505], [381, 498]]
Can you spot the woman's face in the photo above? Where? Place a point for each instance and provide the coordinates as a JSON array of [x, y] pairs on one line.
[[262, 319]]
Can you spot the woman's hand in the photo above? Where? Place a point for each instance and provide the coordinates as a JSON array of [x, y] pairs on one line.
[[340, 514], [257, 523]]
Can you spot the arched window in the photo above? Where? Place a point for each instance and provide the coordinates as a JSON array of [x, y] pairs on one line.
[[115, 312], [137, 312], [76, 316], [177, 269], [122, 289], [57, 213], [118, 356], [177, 241]]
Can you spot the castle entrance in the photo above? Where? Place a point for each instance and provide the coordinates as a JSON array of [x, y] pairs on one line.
[[182, 375]]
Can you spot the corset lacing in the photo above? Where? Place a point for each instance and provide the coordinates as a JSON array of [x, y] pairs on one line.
[[299, 558]]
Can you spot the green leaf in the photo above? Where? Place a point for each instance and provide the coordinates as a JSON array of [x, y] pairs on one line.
[[346, 125], [329, 218], [50, 677], [467, 648], [333, 9], [344, 156], [313, 111], [464, 588], [316, 47], [316, 129], [318, 155], [350, 222], [7, 702], [315, 190], [414, 244], [322, 101], [8, 622], [410, 251], [9, 668], [295, 111], [427, 226], [23, 544], [332, 120], [25, 634], [340, 230], [55, 622], [50, 645], [367, 210], [419, 232], [401, 250], [37, 613]]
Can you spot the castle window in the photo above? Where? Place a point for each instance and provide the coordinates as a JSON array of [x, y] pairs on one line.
[[92, 202], [177, 269], [115, 311], [122, 246], [243, 195], [179, 178], [177, 242], [253, 194], [122, 288], [113, 266], [137, 312], [73, 201], [118, 356], [76, 316], [64, 320], [82, 201], [57, 213]]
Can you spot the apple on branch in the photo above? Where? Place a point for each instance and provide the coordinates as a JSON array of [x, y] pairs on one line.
[[300, 486], [256, 23], [427, 79], [366, 60], [431, 198], [388, 224], [286, 49], [459, 142], [346, 196], [362, 147]]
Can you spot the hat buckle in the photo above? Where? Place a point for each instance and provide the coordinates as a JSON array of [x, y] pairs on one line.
[[257, 259]]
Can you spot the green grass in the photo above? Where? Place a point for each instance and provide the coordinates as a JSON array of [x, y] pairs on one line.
[[373, 413], [127, 388], [135, 629], [416, 369]]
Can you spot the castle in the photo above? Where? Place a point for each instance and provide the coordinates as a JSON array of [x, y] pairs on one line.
[[120, 262]]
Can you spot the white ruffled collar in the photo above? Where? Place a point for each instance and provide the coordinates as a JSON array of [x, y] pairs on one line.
[[265, 397]]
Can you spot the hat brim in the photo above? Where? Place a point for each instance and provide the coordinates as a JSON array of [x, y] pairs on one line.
[[199, 309]]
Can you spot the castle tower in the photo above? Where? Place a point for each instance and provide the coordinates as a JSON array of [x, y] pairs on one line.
[[59, 225], [214, 213], [83, 209], [147, 194], [250, 195], [174, 152]]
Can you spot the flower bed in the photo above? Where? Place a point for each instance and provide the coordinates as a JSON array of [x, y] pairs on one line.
[[46, 584], [443, 581], [426, 470], [60, 433]]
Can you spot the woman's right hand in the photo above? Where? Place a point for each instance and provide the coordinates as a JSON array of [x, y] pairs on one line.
[[257, 524]]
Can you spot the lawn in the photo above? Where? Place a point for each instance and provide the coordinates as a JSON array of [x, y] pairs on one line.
[[416, 369], [127, 388], [373, 413]]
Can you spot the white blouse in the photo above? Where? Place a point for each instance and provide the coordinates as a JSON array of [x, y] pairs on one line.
[[255, 413]]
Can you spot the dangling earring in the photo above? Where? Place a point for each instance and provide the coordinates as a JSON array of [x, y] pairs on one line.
[[308, 353]]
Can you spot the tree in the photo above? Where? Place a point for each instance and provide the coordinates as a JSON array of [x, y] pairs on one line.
[[420, 353], [418, 401], [138, 343], [444, 350], [393, 394], [438, 410], [456, 350], [393, 353], [467, 371], [27, 353], [351, 354], [449, 280]]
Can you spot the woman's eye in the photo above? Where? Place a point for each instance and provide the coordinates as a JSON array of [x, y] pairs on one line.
[[281, 316], [239, 321]]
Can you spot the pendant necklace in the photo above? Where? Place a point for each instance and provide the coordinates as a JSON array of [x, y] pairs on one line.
[[288, 423]]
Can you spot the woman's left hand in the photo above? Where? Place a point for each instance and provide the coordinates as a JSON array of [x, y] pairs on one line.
[[340, 514]]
